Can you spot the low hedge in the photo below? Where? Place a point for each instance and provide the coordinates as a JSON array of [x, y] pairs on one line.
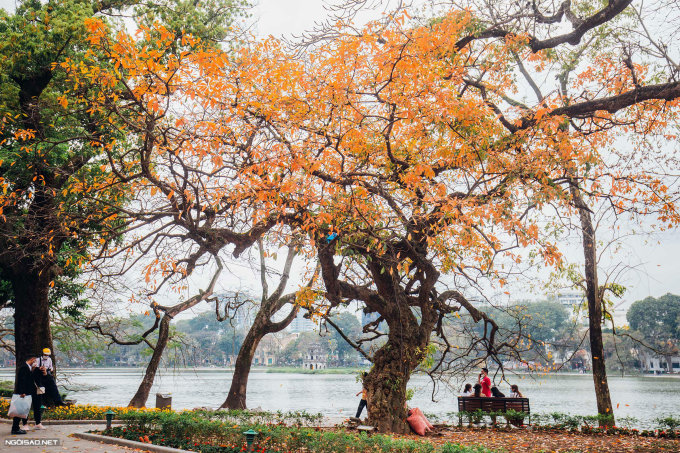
[[193, 428], [6, 389]]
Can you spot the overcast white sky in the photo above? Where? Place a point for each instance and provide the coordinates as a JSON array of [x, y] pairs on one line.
[[659, 262], [276, 17]]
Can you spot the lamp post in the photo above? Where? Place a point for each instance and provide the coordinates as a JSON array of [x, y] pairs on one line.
[[109, 418], [250, 437]]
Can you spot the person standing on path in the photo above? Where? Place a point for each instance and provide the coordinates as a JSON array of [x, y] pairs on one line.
[[485, 382], [363, 403], [26, 385], [47, 368]]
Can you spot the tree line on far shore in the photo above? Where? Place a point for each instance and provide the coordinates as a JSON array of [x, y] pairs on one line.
[[203, 341]]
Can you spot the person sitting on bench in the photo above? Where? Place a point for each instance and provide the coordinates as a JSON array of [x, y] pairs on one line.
[[478, 391], [514, 392], [497, 393]]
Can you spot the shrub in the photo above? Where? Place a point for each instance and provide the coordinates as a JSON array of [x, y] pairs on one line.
[[668, 422], [296, 418], [6, 389]]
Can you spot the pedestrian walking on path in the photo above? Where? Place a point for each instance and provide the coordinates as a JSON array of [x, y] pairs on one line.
[[26, 386]]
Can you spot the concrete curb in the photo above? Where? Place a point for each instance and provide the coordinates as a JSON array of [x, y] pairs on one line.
[[69, 422], [128, 443]]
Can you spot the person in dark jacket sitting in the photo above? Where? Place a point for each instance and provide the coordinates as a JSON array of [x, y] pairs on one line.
[[26, 385]]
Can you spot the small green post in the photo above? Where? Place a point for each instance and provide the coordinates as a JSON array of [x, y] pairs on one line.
[[42, 410], [250, 437], [109, 418]]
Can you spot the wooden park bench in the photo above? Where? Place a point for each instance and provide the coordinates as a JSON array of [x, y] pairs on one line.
[[491, 405]]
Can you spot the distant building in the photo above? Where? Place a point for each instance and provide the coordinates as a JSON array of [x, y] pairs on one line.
[[243, 318], [571, 299], [573, 302], [652, 363], [315, 358], [579, 360], [301, 324], [266, 353]]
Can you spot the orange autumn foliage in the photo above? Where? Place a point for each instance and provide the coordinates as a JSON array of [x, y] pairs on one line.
[[399, 154], [376, 132]]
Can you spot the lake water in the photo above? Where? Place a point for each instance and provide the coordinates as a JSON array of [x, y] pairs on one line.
[[333, 395]]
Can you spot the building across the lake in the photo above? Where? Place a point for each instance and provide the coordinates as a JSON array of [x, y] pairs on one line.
[[657, 364], [573, 301], [315, 358]]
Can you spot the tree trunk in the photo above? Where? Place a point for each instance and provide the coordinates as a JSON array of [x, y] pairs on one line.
[[393, 364], [139, 400], [593, 296], [32, 330], [604, 401], [236, 399]]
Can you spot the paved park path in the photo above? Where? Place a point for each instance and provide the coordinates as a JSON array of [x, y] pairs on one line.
[[61, 432]]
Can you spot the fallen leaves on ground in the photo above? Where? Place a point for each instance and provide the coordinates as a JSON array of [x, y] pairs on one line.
[[529, 441]]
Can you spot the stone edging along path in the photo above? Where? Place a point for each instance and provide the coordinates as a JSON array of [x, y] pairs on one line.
[[128, 443], [69, 422]]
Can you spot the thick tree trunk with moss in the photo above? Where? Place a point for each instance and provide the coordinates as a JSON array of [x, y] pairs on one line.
[[142, 395], [32, 330], [393, 365]]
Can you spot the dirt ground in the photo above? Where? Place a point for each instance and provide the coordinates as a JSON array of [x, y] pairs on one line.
[[523, 440]]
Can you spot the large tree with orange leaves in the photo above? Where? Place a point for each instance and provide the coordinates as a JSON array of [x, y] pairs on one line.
[[51, 150], [198, 162], [399, 152], [427, 166]]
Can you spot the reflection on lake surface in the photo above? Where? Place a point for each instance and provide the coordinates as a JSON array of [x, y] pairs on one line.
[[332, 395]]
